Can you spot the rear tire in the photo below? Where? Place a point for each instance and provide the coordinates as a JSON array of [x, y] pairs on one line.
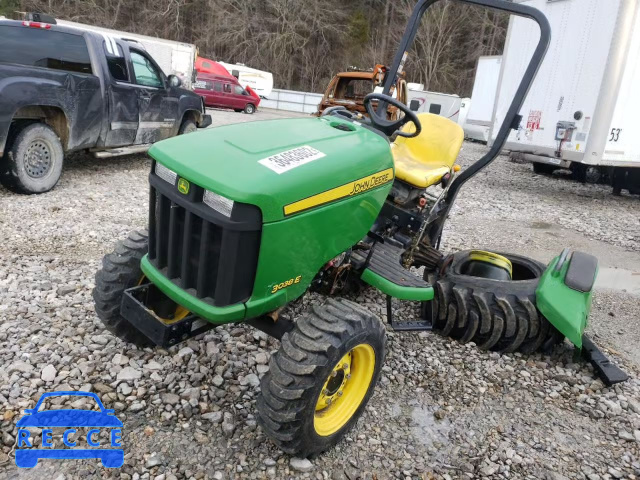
[[543, 168], [498, 315], [249, 108], [121, 270], [586, 173], [292, 407], [33, 161], [593, 175]]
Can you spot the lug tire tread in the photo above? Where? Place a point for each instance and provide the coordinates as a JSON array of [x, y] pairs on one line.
[[120, 270], [13, 174], [496, 315], [298, 370]]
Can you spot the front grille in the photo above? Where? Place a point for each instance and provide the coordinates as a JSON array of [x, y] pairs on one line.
[[199, 250]]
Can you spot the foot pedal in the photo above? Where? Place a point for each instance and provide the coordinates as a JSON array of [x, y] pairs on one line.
[[383, 270], [386, 260], [607, 371]]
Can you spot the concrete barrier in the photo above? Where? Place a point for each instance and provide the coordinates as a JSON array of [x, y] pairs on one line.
[[292, 101]]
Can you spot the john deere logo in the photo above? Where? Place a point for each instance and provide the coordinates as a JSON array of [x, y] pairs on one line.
[[183, 186]]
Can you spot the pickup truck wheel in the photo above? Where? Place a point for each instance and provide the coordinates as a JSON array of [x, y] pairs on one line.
[[188, 126], [33, 162], [249, 108], [121, 270]]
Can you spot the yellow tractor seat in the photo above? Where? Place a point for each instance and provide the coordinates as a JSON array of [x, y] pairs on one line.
[[423, 160]]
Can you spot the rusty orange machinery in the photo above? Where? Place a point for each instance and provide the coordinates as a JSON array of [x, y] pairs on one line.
[[348, 89]]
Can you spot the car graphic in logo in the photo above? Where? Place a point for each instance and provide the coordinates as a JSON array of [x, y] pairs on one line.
[[183, 186], [71, 420]]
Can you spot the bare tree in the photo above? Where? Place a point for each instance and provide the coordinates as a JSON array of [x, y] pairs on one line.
[[304, 43]]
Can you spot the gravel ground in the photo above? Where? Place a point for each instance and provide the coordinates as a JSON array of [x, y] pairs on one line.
[[442, 410]]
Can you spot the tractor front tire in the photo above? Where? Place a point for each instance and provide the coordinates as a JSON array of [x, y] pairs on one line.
[[322, 377], [121, 270], [499, 315]]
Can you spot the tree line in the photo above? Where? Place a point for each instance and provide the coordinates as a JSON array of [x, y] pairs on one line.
[[305, 42]]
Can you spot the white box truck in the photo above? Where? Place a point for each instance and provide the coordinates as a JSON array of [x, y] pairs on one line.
[[582, 110], [175, 58], [483, 98]]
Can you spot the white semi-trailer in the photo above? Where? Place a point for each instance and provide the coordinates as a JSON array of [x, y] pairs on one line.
[[483, 98], [175, 58], [258, 80], [582, 110], [465, 105], [443, 104]]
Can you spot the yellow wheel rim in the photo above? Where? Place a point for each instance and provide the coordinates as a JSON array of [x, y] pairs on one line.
[[179, 313], [492, 258], [344, 390]]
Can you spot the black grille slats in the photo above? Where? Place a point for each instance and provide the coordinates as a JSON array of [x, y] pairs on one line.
[[163, 206], [211, 260], [174, 249], [190, 245]]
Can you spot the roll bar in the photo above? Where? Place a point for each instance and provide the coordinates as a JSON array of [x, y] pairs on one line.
[[512, 120]]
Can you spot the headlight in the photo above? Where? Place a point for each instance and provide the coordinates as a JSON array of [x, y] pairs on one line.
[[218, 203], [166, 174]]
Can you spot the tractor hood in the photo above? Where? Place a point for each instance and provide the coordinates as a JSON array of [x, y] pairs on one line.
[[276, 163]]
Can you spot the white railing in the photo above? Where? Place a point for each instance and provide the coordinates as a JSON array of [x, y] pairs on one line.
[[292, 101]]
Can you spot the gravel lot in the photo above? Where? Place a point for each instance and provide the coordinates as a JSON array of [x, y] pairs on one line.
[[442, 410]]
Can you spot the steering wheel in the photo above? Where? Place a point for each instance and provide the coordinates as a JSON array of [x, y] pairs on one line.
[[337, 110], [389, 127]]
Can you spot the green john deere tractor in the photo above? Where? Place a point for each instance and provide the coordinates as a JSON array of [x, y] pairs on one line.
[[246, 218]]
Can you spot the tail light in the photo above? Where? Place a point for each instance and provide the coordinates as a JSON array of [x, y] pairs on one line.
[[45, 26]]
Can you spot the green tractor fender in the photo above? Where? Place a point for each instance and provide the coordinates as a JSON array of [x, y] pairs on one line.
[[565, 291]]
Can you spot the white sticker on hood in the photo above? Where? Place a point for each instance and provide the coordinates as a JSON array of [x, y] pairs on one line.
[[285, 161]]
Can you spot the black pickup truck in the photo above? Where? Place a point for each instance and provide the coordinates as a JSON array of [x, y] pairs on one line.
[[64, 89]]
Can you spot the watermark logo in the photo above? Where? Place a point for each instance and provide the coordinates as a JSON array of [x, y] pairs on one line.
[[99, 430]]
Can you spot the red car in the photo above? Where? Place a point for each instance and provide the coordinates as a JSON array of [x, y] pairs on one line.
[[225, 92]]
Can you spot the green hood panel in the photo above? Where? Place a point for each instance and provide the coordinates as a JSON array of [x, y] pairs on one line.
[[226, 160]]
